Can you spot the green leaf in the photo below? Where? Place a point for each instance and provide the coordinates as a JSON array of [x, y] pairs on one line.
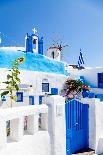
[[4, 93], [6, 82], [16, 87], [9, 76], [12, 79], [17, 79]]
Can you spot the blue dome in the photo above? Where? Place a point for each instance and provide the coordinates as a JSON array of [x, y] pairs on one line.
[[33, 62]]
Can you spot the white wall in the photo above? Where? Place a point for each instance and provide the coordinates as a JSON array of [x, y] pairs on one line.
[[35, 79], [35, 50], [56, 124], [29, 145], [7, 103], [17, 143], [96, 90], [95, 124], [89, 74], [34, 142]]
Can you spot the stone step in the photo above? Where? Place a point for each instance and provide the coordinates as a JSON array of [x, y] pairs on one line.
[[85, 152]]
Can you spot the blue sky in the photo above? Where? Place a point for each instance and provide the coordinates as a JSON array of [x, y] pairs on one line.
[[78, 23]]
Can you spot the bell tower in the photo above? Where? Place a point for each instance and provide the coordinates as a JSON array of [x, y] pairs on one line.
[[33, 44], [35, 41]]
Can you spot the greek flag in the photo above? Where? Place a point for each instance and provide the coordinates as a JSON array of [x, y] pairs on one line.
[[80, 61]]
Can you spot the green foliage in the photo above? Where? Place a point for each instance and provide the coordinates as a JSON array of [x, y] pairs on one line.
[[74, 85], [4, 93], [13, 79]]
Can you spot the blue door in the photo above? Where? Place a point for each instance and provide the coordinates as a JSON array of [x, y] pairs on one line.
[[76, 126]]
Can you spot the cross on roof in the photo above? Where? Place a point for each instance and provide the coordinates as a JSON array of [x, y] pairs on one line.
[[34, 30]]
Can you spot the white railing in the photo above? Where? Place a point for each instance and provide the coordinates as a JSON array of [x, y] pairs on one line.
[[52, 115], [16, 116]]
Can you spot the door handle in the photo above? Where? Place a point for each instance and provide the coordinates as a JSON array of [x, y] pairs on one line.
[[76, 124]]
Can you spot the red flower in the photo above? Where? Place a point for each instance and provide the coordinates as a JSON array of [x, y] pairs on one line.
[[85, 87]]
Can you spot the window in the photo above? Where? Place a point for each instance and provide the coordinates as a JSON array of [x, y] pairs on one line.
[[34, 41], [54, 91], [45, 87], [53, 54], [40, 99], [19, 96], [100, 80], [31, 100]]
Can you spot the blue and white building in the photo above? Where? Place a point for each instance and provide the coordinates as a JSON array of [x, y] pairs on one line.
[[93, 77], [40, 74], [45, 74]]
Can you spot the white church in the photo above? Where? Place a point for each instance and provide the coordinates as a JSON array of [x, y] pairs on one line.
[[39, 101], [39, 74]]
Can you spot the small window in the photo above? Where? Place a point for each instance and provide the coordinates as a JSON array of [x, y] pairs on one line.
[[100, 80], [45, 87], [40, 99], [54, 91], [53, 54], [34, 41], [19, 96], [31, 100]]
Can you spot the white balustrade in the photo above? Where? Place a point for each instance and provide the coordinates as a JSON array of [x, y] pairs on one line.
[[16, 116], [16, 129], [52, 115], [32, 124]]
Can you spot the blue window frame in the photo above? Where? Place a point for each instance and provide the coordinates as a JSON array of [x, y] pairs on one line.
[[45, 87], [31, 100], [19, 96], [54, 91], [100, 80], [40, 99]]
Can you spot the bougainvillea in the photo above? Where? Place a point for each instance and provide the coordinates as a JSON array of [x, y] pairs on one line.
[[73, 88]]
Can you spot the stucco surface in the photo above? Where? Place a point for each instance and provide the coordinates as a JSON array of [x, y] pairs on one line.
[[38, 144]]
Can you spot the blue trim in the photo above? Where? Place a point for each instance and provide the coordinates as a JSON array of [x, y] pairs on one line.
[[100, 80], [91, 95], [31, 100], [54, 91], [40, 99], [19, 96], [100, 96], [82, 79], [40, 46], [29, 44]]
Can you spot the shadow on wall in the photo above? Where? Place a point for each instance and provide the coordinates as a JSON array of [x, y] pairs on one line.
[[87, 82], [100, 146]]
